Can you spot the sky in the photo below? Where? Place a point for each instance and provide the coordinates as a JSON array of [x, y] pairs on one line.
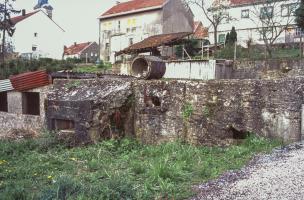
[[79, 17]]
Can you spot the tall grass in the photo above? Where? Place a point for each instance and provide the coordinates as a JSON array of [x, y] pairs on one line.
[[125, 169]]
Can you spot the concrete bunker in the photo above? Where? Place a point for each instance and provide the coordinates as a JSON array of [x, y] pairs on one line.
[[90, 110], [148, 67]]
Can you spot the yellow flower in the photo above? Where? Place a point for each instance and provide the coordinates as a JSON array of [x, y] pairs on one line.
[[49, 177], [35, 174], [74, 159], [3, 162]]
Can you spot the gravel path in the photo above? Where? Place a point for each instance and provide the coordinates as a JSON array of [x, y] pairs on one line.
[[278, 176]]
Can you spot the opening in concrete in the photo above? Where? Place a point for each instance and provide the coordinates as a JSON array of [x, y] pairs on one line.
[[140, 67], [152, 101], [60, 124], [31, 103], [3, 102], [238, 135]]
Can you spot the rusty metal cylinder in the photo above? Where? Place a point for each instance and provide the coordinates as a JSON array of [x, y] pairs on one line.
[[148, 67]]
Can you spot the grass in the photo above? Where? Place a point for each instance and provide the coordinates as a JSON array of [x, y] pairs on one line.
[[88, 69], [125, 169]]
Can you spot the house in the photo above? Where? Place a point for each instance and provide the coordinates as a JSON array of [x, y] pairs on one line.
[[37, 34], [200, 33], [248, 18], [87, 51], [130, 22]]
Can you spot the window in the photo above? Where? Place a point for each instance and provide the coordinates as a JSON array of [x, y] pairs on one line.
[[31, 103], [34, 48], [35, 34], [266, 12], [288, 9], [3, 102], [284, 10], [107, 46], [245, 13], [299, 32], [222, 38], [130, 41], [59, 124], [292, 8], [133, 29], [118, 26]]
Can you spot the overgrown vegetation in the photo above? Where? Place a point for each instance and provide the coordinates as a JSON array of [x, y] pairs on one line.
[[18, 66], [125, 169], [258, 52]]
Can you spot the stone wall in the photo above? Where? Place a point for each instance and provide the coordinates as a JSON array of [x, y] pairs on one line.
[[15, 120], [267, 69], [214, 112]]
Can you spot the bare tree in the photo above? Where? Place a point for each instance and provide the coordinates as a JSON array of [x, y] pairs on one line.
[[6, 26], [215, 13], [272, 21]]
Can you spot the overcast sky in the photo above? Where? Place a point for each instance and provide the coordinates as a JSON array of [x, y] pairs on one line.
[[77, 17]]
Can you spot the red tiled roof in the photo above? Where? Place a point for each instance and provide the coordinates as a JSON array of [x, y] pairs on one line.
[[30, 80], [199, 32], [20, 18], [76, 48], [133, 5], [242, 2]]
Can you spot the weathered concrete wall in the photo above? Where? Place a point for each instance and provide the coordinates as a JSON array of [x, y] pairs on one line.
[[267, 69], [214, 112], [98, 108], [15, 120]]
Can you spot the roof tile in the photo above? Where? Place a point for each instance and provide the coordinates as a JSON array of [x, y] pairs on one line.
[[76, 48], [133, 6]]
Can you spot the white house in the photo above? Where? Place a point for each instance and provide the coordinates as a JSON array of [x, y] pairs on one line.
[[37, 35], [87, 51], [130, 22], [245, 16]]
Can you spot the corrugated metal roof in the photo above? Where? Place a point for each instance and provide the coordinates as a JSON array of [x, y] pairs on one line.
[[30, 80], [5, 85]]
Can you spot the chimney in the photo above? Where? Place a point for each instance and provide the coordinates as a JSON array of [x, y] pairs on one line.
[[117, 2], [23, 12], [75, 43]]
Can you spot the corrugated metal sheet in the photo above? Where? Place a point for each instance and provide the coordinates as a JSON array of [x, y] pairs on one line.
[[30, 80], [5, 85]]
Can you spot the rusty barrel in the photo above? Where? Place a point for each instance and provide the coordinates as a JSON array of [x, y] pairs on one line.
[[148, 67]]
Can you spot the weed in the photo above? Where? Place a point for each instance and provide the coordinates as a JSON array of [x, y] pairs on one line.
[[187, 111], [74, 83], [115, 169]]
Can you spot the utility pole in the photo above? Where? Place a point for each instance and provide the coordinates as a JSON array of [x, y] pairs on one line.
[[235, 47], [4, 24]]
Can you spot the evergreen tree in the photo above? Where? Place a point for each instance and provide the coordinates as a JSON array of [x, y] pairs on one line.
[[233, 36], [300, 15], [227, 41]]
